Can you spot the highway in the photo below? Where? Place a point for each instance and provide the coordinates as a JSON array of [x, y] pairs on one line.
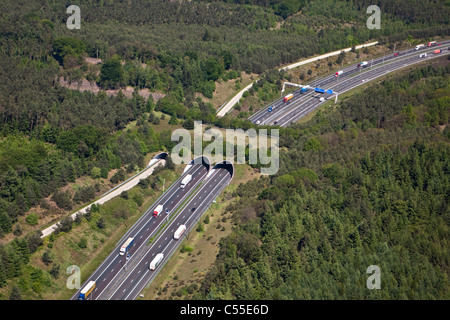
[[283, 114], [226, 107], [147, 226], [140, 275], [123, 277]]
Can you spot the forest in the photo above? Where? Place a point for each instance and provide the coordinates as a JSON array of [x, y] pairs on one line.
[[364, 184], [177, 48]]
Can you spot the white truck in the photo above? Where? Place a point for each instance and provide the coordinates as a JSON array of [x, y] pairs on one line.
[[337, 74], [127, 244], [179, 232], [186, 180], [419, 46], [156, 261], [158, 210]]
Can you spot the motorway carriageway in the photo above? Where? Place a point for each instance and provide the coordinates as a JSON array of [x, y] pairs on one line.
[[301, 104], [313, 102], [140, 275], [141, 231]]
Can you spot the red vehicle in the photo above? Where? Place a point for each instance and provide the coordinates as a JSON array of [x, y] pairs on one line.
[[437, 51], [432, 43], [158, 210], [395, 54]]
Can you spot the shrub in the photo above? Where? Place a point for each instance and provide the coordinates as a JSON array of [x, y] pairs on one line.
[[199, 228], [65, 225], [47, 258], [32, 219], [82, 243], [63, 199], [185, 248]]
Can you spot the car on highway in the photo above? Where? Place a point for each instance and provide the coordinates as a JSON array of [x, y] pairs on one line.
[[423, 55], [193, 209], [258, 122], [396, 54], [322, 99], [275, 122]]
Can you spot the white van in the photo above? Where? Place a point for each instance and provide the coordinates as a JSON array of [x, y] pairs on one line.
[[419, 46], [423, 55]]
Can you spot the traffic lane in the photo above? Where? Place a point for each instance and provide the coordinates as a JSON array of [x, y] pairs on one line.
[[352, 69], [276, 107], [266, 117], [304, 109], [270, 117], [253, 117], [174, 244], [291, 109], [197, 171], [155, 249], [170, 203], [172, 199], [371, 74], [125, 288], [144, 233], [224, 178], [110, 264], [347, 72], [299, 112]]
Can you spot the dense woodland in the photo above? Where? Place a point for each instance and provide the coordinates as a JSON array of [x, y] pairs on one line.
[[365, 184], [50, 136]]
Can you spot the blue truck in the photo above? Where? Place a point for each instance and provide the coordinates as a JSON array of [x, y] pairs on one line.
[[127, 244]]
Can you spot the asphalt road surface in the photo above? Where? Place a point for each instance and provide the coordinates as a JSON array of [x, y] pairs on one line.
[[283, 114], [140, 275], [147, 226], [230, 104]]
